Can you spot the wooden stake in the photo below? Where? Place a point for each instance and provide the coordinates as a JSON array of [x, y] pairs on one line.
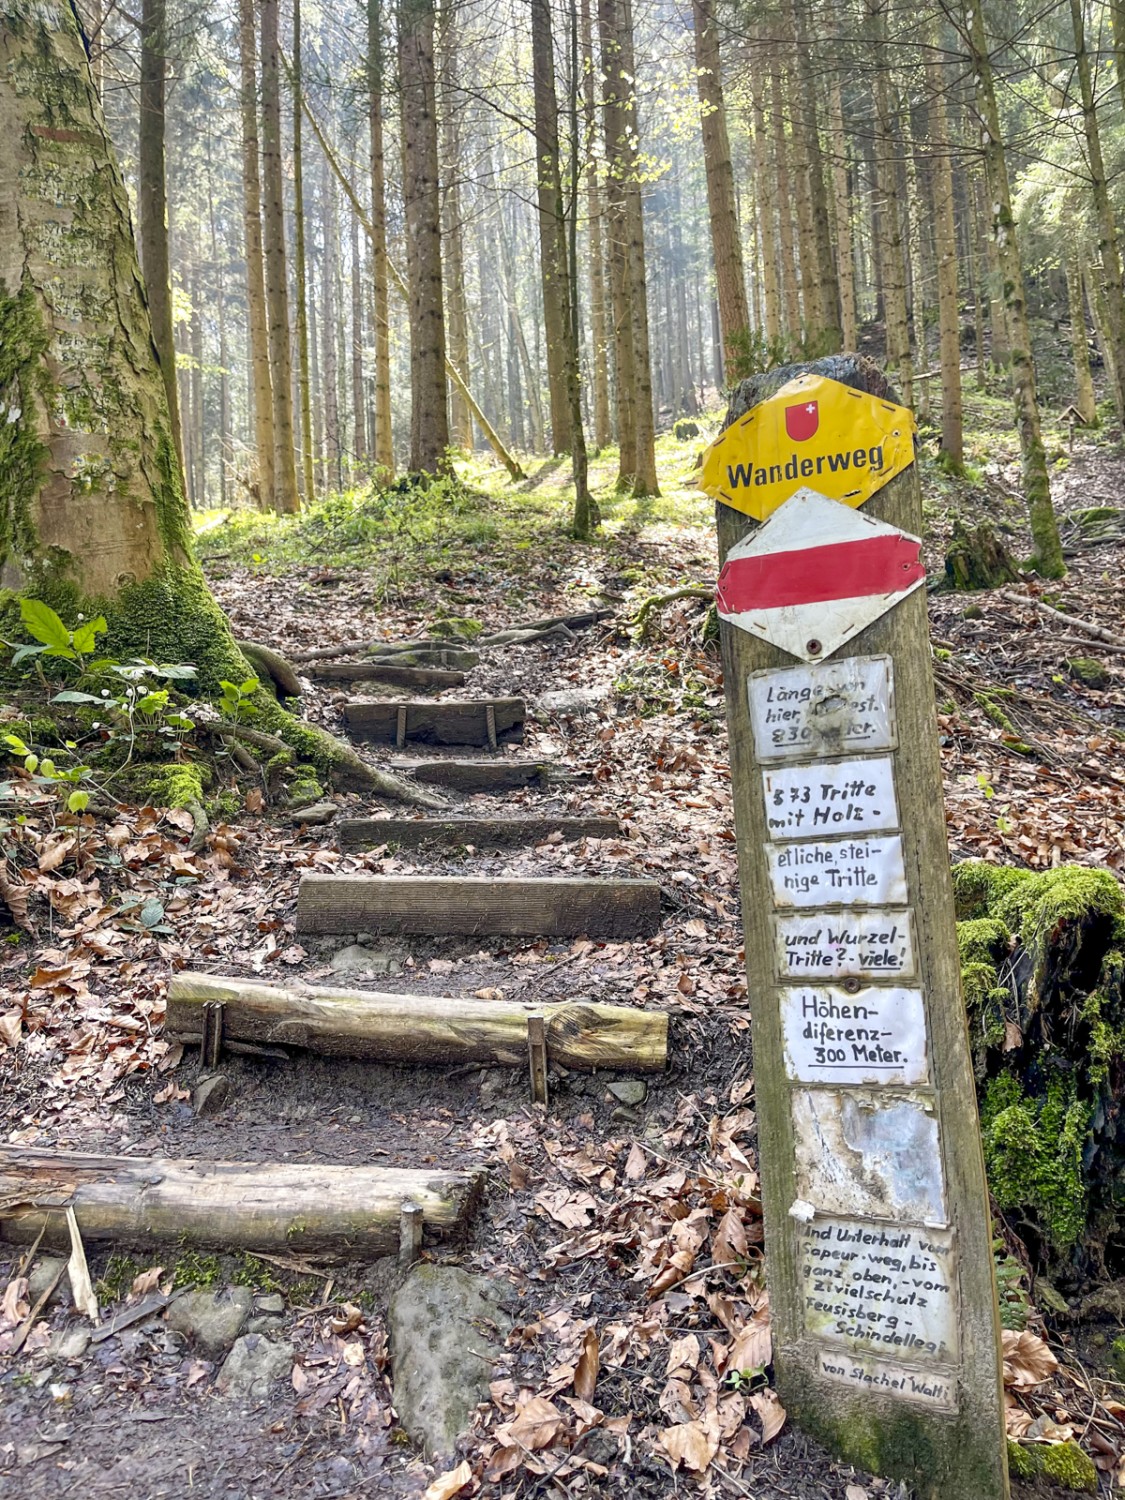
[[411, 1223], [211, 1041], [490, 725], [400, 727], [537, 1056], [878, 1233]]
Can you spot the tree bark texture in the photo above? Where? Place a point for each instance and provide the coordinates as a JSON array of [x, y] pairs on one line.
[[287, 498], [260, 387], [599, 319], [429, 420], [453, 249], [889, 245], [842, 215], [380, 272], [789, 284], [152, 200], [945, 249], [826, 335], [1036, 477], [300, 268], [1085, 401], [726, 237]]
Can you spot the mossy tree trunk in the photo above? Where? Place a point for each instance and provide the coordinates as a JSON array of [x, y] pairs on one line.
[[92, 509]]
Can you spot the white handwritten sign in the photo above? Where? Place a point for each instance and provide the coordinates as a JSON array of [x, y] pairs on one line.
[[881, 1287], [844, 796], [865, 1154], [868, 944], [875, 1036], [882, 1378], [828, 709], [837, 872]]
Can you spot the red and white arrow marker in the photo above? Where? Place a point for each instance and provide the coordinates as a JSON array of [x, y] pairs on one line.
[[816, 574]]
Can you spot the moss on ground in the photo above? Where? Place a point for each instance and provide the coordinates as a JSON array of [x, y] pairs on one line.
[[177, 785], [1064, 1465]]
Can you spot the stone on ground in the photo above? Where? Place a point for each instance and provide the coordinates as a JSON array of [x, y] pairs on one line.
[[253, 1365], [211, 1319], [315, 815], [629, 1090], [42, 1273], [359, 960], [447, 1330], [68, 1344]]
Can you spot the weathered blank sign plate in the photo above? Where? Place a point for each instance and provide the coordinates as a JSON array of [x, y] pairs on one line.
[[816, 574]]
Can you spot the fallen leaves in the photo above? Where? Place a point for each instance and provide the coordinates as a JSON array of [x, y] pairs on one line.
[[1027, 1359], [692, 1444], [449, 1484], [589, 1364]]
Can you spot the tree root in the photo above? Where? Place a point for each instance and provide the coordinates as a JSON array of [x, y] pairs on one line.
[[657, 601], [270, 663], [345, 768]]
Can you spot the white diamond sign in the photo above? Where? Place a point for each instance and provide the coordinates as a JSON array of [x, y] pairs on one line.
[[816, 574]]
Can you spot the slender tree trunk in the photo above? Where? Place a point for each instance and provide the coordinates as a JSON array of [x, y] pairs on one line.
[[767, 214], [912, 202], [599, 322], [152, 199], [1095, 294], [638, 466], [624, 358], [552, 226], [286, 496], [790, 292], [198, 428], [1084, 400], [359, 403], [1036, 478], [945, 249], [975, 279], [827, 335], [726, 237], [1109, 250], [889, 242], [300, 271], [842, 214], [421, 190], [217, 271], [1117, 27], [453, 251], [382, 443], [329, 316], [258, 339]]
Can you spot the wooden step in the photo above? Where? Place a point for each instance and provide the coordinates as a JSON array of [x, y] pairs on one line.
[[482, 833], [481, 775], [290, 1208], [459, 905], [580, 1034], [485, 721], [387, 671]]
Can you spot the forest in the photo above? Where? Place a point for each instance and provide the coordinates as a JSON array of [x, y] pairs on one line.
[[381, 922]]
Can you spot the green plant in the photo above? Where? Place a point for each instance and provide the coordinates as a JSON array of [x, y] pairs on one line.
[[236, 701], [45, 771], [53, 637]]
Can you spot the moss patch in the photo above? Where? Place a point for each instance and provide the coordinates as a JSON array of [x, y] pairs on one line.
[[176, 786], [1064, 1465]]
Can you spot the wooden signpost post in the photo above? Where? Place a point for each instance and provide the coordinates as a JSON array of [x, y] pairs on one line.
[[878, 1235]]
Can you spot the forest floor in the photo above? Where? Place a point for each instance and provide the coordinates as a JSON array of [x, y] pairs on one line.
[[594, 1212]]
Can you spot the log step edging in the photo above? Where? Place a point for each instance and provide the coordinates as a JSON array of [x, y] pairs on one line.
[[478, 722], [284, 1207], [469, 905], [479, 775], [482, 833], [390, 673], [581, 1035]]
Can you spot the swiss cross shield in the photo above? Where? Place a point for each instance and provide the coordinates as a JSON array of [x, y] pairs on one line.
[[802, 421]]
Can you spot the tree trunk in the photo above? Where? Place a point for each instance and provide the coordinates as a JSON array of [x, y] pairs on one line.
[[789, 286], [429, 420], [152, 201], [287, 499], [889, 243], [300, 270], [767, 214], [359, 404], [291, 1208], [945, 248], [552, 225], [581, 1035], [726, 238], [826, 336], [1085, 401], [329, 328], [638, 466], [383, 446], [258, 338], [94, 513], [842, 214], [1036, 478], [599, 322], [453, 250], [1109, 249]]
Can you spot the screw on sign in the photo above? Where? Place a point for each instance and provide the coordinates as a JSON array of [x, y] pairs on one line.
[[878, 1235]]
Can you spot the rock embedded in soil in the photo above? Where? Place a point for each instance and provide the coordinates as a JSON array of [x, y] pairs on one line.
[[359, 960], [579, 700], [211, 1319], [68, 1344], [252, 1367], [447, 1331], [315, 815], [630, 1091], [41, 1275], [212, 1094]]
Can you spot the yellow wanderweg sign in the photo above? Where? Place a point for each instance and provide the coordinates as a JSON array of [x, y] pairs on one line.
[[814, 433]]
